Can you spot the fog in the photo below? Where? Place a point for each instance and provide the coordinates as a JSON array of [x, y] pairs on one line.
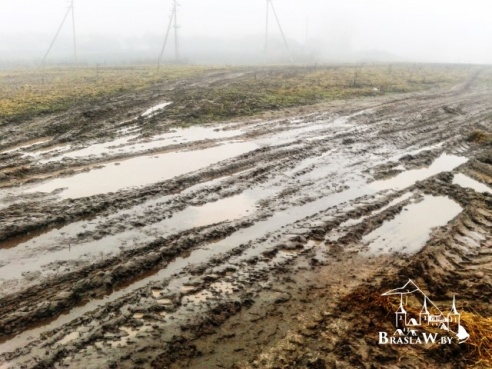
[[233, 31]]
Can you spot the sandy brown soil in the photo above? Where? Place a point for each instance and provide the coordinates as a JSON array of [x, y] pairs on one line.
[[260, 243]]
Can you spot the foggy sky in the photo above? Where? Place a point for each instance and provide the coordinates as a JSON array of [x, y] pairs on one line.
[[407, 30]]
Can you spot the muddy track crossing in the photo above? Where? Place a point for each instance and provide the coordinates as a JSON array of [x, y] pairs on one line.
[[235, 228]]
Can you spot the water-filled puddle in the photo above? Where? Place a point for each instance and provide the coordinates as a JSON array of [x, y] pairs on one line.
[[216, 288], [94, 149], [222, 287], [56, 148], [69, 337], [132, 144], [27, 257], [187, 289], [197, 298], [21, 239], [467, 182], [227, 209], [155, 109], [129, 335], [25, 145], [260, 229], [157, 293], [141, 171], [409, 231], [352, 222], [165, 301], [306, 131], [443, 163]]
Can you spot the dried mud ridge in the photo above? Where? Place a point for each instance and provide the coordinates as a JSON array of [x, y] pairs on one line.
[[274, 256]]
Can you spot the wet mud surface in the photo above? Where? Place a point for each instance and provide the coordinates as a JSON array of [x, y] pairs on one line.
[[259, 243]]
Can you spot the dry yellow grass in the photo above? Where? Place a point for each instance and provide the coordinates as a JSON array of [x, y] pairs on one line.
[[480, 341], [481, 137], [478, 345]]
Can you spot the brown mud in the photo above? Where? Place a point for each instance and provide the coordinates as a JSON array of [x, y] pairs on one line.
[[264, 242]]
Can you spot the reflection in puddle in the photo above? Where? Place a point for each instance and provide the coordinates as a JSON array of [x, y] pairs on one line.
[[156, 293], [69, 337], [57, 148], [283, 217], [141, 171], [165, 302], [227, 209], [186, 289], [287, 254], [198, 297], [94, 149], [129, 335], [24, 259], [131, 143], [216, 288], [153, 110], [127, 130], [25, 145], [465, 181], [18, 240], [27, 257], [179, 136], [222, 287], [443, 163], [352, 222], [409, 231], [299, 129], [30, 252]]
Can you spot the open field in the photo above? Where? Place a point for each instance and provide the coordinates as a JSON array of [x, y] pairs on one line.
[[41, 91], [246, 217]]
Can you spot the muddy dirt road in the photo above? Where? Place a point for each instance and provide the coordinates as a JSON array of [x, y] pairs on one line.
[[257, 243]]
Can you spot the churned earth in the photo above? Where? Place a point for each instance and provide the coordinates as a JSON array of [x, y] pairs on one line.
[[129, 241]]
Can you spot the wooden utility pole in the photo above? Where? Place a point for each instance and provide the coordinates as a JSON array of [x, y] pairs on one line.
[[176, 46], [56, 34], [73, 31], [266, 31], [175, 12], [165, 40], [270, 3]]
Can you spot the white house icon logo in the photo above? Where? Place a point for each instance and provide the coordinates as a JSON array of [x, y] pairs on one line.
[[418, 320]]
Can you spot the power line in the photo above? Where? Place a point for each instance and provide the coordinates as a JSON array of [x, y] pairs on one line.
[[270, 2], [266, 31], [281, 32], [165, 40], [56, 35], [73, 29], [176, 49], [70, 9]]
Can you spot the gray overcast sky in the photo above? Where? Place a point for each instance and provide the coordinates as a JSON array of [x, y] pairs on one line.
[[430, 30]]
